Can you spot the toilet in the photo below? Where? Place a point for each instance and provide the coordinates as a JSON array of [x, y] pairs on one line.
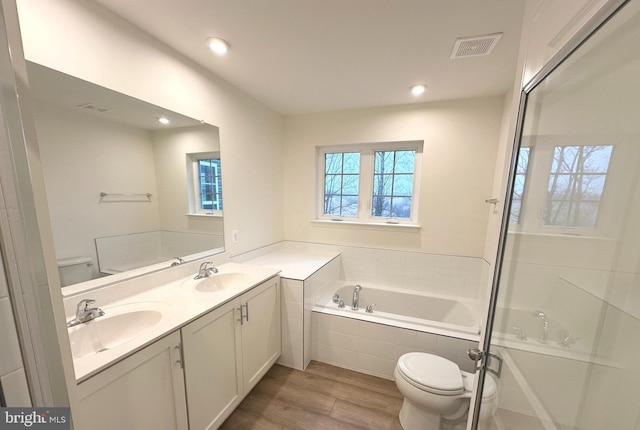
[[75, 270], [437, 393]]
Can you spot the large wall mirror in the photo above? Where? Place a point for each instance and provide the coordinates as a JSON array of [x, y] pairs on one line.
[[128, 191]]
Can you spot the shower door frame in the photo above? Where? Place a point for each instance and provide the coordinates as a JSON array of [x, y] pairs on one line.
[[601, 17]]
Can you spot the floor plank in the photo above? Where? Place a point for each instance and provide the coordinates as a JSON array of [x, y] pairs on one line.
[[323, 397]]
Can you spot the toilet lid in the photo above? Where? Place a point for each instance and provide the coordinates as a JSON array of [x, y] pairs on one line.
[[431, 373]]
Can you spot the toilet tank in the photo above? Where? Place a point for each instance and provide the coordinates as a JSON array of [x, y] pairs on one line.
[[75, 270]]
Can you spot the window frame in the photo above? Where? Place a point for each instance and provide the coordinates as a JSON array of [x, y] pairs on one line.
[[365, 181], [193, 183]]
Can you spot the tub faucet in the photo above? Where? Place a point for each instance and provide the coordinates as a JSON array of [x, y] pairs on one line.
[[205, 271], [544, 333], [355, 304], [84, 313]]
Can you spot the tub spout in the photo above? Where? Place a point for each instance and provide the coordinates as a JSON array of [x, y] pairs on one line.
[[544, 333], [355, 304]]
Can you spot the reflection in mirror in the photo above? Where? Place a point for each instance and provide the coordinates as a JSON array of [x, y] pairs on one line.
[[123, 194]]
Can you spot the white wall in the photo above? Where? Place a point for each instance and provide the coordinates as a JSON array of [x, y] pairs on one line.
[[93, 44], [460, 142], [170, 151], [82, 156]]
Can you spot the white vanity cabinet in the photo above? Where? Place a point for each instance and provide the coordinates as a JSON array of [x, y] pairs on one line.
[[228, 350], [143, 391]]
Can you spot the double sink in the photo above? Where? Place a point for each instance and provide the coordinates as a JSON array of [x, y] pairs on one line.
[[127, 322]]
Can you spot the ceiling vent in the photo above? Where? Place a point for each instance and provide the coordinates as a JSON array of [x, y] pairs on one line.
[[93, 107], [475, 46]]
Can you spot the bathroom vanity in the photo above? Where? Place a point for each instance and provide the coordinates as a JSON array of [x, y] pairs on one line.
[[181, 355]]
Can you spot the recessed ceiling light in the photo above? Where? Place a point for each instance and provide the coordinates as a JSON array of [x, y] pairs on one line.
[[418, 90], [163, 120], [217, 45]]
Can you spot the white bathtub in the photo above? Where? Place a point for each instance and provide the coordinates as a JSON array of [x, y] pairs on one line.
[[453, 317]]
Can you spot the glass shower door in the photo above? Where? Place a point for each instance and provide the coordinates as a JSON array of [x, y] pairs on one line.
[[566, 310]]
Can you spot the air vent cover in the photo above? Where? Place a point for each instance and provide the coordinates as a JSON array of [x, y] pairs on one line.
[[93, 107], [475, 46]]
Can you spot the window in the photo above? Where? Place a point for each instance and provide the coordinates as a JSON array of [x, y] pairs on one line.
[[393, 183], [205, 183], [210, 185], [341, 177], [576, 184], [565, 185], [369, 182], [519, 185]]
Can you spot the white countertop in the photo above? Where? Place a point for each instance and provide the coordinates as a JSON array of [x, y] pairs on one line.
[[294, 264], [180, 302]]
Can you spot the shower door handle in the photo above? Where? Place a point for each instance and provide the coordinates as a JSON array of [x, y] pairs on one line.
[[490, 362], [475, 354]]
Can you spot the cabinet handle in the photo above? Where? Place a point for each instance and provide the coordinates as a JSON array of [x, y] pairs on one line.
[[240, 310], [246, 313], [180, 359]]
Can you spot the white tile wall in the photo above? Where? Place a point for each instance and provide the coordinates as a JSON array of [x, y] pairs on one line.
[[292, 323], [15, 389], [363, 346], [12, 376], [375, 348]]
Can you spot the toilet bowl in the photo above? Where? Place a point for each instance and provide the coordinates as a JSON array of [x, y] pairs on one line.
[[437, 393]]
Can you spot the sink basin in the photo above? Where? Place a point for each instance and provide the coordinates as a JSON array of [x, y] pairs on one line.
[[119, 325], [218, 282]]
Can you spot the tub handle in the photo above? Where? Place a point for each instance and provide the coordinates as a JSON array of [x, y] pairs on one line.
[[341, 304], [336, 298], [369, 308]]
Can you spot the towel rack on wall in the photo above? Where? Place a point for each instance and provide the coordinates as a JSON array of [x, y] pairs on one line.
[[124, 197]]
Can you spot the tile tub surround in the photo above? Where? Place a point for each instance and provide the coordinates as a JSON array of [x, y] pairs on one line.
[[374, 349], [451, 275], [310, 271], [305, 273]]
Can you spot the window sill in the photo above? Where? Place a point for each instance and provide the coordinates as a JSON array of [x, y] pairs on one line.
[[205, 215], [385, 225], [559, 235]]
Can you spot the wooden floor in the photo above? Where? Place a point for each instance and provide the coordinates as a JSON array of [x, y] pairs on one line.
[[323, 397]]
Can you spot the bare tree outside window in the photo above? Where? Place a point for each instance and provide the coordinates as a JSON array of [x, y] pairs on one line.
[[341, 181], [576, 184], [393, 184]]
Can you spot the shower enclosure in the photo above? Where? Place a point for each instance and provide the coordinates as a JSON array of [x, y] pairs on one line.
[[565, 314]]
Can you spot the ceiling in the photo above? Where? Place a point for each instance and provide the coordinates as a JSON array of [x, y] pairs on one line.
[[303, 56]]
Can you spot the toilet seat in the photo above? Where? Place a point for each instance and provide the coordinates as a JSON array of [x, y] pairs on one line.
[[431, 373]]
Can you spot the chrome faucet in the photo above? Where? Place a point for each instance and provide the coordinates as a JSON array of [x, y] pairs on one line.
[[355, 304], [84, 313], [544, 333], [177, 263], [205, 271]]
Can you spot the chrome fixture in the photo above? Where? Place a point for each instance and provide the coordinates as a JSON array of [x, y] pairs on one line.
[[84, 313], [205, 271], [544, 333], [177, 263], [369, 308], [355, 304], [520, 333], [336, 298], [341, 304], [567, 339]]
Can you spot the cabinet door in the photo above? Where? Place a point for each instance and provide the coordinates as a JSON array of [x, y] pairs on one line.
[[260, 330], [213, 371], [144, 391]]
